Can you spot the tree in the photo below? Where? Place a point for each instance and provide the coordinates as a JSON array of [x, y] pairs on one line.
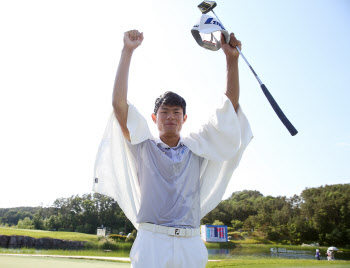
[[26, 223], [327, 209], [38, 221], [11, 217], [217, 222], [237, 224]]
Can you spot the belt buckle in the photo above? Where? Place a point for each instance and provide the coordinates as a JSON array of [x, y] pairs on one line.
[[177, 231]]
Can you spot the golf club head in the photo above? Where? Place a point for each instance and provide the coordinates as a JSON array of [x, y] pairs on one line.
[[207, 32], [206, 6]]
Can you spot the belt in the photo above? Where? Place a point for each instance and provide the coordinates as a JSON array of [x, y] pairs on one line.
[[169, 230]]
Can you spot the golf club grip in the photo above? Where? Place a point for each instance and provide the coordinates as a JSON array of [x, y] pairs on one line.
[[279, 112]]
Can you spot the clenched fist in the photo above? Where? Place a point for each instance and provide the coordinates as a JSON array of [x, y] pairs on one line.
[[132, 39], [230, 48]]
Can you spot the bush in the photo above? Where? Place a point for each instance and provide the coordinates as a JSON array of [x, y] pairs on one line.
[[26, 223], [217, 222], [118, 238], [108, 244], [235, 236], [274, 236], [103, 243], [86, 228], [80, 229], [91, 245], [236, 224], [131, 237]]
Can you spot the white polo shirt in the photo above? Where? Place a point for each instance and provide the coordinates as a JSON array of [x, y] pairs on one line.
[[169, 179]]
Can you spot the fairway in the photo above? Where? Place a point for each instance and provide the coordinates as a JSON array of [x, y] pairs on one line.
[[44, 262]]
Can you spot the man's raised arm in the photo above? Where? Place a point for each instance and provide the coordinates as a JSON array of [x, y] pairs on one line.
[[132, 39], [232, 54]]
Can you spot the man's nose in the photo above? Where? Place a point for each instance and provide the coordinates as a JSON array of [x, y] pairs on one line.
[[170, 116]]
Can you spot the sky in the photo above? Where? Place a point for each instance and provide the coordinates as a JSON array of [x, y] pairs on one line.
[[58, 61]]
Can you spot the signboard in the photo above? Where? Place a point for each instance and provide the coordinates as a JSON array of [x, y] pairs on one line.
[[214, 233]]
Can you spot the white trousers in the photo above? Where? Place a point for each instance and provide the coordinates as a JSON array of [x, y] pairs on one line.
[[155, 250]]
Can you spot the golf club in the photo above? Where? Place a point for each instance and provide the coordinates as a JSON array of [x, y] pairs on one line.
[[201, 29]]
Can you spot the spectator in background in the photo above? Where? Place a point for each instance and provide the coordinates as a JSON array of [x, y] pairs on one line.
[[317, 254]]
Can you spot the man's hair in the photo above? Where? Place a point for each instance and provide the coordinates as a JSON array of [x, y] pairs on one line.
[[170, 98]]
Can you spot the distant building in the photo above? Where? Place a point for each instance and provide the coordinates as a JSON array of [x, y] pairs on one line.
[[214, 233], [104, 231]]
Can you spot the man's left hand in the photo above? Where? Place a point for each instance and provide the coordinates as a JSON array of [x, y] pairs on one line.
[[230, 48]]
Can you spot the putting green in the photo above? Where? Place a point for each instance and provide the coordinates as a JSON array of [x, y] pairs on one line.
[[44, 262]]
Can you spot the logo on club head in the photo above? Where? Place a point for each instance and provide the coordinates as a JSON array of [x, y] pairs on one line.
[[177, 231]]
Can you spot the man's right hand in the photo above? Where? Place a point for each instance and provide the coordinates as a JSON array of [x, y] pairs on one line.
[[132, 40]]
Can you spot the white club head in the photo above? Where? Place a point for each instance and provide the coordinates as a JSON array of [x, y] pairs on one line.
[[207, 32]]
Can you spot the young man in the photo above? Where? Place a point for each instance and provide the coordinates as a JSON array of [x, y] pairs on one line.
[[165, 185]]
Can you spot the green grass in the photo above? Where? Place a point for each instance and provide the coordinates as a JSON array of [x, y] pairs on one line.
[[241, 261], [267, 246], [41, 234], [93, 241], [253, 241], [237, 262], [36, 262], [121, 249], [275, 262], [84, 252], [229, 244], [39, 262]]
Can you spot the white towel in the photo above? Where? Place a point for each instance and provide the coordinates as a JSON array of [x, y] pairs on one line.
[[221, 141]]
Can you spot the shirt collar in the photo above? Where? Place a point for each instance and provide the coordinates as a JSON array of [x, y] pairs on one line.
[[159, 142]]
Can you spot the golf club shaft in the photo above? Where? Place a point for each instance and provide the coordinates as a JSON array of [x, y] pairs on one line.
[[268, 95], [251, 68], [271, 100]]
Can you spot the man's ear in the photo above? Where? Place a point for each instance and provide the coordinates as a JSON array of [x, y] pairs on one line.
[[154, 118], [185, 118]]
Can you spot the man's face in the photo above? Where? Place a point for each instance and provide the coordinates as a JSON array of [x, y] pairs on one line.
[[169, 120]]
